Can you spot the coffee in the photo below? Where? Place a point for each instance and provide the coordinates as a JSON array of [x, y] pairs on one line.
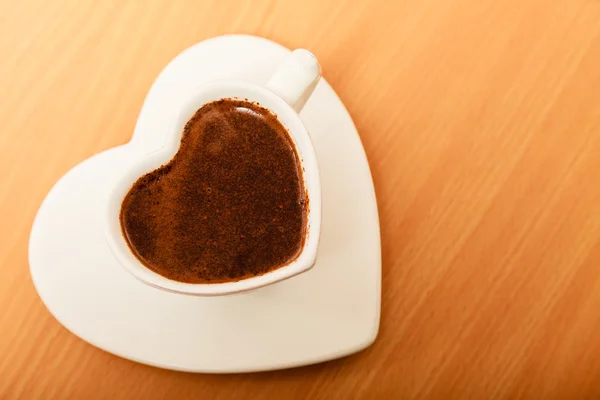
[[231, 204]]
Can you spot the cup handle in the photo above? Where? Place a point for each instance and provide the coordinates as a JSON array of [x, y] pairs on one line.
[[296, 78]]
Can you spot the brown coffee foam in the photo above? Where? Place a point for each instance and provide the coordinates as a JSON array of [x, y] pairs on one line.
[[231, 204]]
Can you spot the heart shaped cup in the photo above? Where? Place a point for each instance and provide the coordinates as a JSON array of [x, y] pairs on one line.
[[285, 94]]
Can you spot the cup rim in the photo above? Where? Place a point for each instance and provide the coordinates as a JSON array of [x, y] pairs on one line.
[[148, 162]]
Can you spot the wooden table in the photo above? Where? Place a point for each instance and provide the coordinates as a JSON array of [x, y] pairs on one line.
[[481, 121]]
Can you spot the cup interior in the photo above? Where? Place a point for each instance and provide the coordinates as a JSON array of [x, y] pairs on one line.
[[147, 163]]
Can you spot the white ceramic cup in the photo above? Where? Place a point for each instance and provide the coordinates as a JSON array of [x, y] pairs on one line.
[[285, 94]]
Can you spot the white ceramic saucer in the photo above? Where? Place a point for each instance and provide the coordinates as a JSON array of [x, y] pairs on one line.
[[328, 312]]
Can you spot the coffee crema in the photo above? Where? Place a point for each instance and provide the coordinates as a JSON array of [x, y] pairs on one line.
[[230, 205]]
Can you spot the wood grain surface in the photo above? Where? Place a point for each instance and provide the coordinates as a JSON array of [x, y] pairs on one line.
[[481, 122]]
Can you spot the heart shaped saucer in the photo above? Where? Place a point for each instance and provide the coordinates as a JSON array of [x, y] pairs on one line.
[[328, 312]]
